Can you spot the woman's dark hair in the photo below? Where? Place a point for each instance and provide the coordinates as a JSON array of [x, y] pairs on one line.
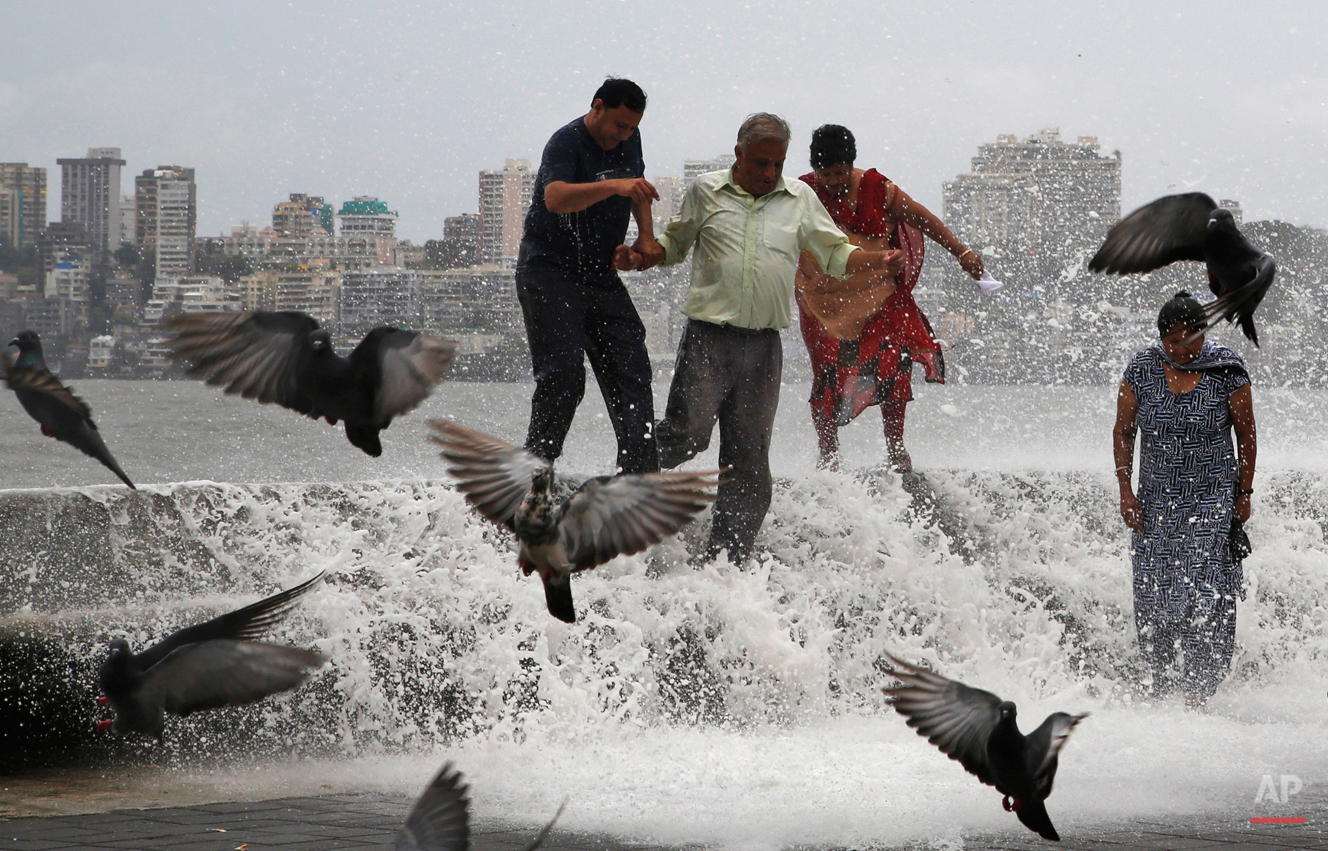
[[1181, 310], [833, 144], [616, 92]]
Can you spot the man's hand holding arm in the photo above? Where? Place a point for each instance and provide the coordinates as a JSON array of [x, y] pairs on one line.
[[648, 252], [563, 197], [675, 242]]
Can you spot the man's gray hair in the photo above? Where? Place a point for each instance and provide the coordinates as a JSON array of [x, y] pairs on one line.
[[763, 125]]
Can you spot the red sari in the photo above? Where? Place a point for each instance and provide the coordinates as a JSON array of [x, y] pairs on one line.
[[852, 375]]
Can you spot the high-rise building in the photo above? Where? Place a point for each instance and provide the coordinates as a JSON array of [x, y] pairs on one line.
[[365, 216], [317, 293], [90, 196], [504, 198], [1041, 202], [166, 218], [128, 221], [692, 169], [22, 203], [303, 216], [59, 239], [70, 278], [671, 190], [366, 220], [464, 228]]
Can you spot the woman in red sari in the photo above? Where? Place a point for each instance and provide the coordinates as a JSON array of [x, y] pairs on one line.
[[863, 344]]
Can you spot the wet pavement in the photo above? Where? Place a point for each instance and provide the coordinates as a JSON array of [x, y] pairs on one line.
[[364, 821]]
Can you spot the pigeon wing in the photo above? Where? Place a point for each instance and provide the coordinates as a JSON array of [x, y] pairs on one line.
[[440, 820], [257, 355], [1049, 738], [42, 381], [219, 673], [954, 717], [1156, 235], [548, 828], [411, 365], [494, 476], [1241, 303], [623, 515], [249, 622]]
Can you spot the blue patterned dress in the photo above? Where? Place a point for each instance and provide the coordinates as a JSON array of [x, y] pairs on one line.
[[1185, 581]]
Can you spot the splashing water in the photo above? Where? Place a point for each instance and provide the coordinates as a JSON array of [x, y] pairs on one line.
[[735, 707]]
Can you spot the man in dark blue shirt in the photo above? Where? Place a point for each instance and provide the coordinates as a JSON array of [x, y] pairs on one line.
[[591, 179]]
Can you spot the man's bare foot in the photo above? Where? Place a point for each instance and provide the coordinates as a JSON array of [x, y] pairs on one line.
[[899, 458]]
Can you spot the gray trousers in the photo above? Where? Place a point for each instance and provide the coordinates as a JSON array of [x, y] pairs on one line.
[[730, 374]]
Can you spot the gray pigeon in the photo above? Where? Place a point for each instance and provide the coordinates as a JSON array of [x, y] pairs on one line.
[[979, 730], [205, 666], [54, 406], [440, 820], [288, 359], [606, 517], [1192, 227]]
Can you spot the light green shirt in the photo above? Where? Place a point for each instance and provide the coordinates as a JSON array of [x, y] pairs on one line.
[[747, 248]]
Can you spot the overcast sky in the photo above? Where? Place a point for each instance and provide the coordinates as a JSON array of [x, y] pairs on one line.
[[408, 101]]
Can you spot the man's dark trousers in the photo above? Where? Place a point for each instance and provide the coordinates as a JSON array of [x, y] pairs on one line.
[[566, 322], [731, 374]]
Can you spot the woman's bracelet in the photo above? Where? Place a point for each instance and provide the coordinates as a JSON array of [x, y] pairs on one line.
[[1244, 491], [966, 251], [1122, 467]]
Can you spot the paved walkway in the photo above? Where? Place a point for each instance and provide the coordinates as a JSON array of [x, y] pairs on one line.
[[371, 821]]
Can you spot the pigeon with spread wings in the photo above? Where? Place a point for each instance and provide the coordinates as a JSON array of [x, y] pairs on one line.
[[206, 666], [287, 359], [1192, 227], [605, 517], [54, 406], [980, 731], [440, 820]]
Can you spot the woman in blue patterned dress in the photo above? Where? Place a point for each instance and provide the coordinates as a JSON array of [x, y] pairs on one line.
[[1185, 398]]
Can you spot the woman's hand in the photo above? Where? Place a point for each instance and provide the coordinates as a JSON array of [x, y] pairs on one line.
[[971, 262], [1132, 513], [1242, 507]]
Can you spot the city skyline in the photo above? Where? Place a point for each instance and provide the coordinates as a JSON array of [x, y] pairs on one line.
[[494, 179], [267, 101]]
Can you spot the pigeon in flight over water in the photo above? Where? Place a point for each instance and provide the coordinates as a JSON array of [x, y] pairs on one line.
[[206, 666], [979, 730], [1192, 227], [288, 359], [54, 406], [440, 820], [606, 517]]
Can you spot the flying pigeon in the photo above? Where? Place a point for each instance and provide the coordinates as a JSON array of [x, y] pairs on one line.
[[979, 730], [606, 517], [206, 666], [288, 359], [440, 820], [62, 415], [1192, 227]]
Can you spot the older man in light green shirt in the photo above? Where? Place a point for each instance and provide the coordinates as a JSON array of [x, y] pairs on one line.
[[748, 227], [747, 248]]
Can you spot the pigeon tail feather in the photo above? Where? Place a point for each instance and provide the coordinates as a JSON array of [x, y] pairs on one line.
[[558, 597], [1034, 816], [364, 436]]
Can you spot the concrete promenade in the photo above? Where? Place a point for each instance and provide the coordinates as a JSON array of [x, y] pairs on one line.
[[368, 821]]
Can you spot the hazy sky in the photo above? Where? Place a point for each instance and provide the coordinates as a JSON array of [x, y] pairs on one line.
[[408, 101]]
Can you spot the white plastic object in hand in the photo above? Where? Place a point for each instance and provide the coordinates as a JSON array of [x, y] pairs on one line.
[[988, 284]]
